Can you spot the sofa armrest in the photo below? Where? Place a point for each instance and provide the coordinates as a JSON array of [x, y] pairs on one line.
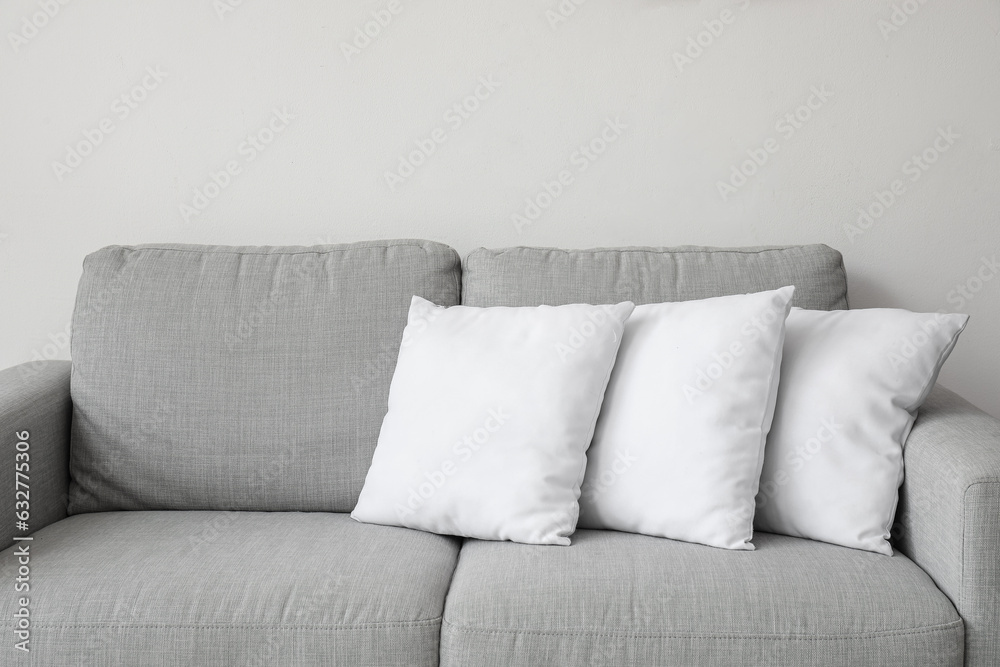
[[35, 400], [948, 520]]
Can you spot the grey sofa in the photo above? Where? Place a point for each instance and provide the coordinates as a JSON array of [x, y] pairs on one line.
[[192, 471]]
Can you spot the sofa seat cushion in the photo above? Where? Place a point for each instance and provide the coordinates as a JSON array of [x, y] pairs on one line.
[[623, 599], [233, 588], [536, 276]]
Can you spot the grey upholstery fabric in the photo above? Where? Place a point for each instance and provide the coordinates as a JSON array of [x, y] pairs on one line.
[[239, 378], [618, 599], [534, 276], [948, 518], [233, 588], [34, 397]]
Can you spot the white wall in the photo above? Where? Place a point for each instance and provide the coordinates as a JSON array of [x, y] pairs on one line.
[[322, 177]]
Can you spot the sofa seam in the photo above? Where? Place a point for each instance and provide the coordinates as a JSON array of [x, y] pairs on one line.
[[459, 278], [597, 412], [774, 377], [937, 629], [245, 626], [451, 578], [209, 249], [663, 251], [913, 409], [965, 535], [847, 289]]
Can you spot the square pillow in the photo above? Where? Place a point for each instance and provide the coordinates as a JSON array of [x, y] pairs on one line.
[[680, 441], [851, 384], [490, 414]]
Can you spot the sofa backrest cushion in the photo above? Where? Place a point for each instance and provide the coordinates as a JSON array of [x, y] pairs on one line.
[[244, 378], [536, 276]]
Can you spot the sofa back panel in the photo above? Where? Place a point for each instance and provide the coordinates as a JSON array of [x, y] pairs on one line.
[[535, 276], [239, 377]]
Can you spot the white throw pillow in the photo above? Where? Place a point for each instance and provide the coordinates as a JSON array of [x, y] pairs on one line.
[[851, 383], [679, 444], [490, 414]]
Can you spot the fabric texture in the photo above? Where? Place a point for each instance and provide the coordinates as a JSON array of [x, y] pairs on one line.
[[34, 397], [851, 384], [631, 600], [679, 443], [491, 411], [239, 378], [233, 588], [534, 276], [949, 513]]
